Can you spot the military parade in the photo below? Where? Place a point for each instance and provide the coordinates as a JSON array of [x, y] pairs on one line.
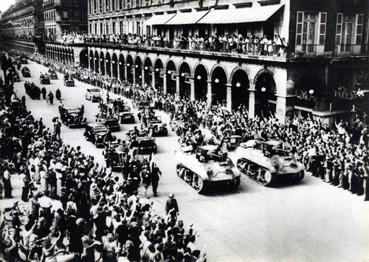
[[197, 131]]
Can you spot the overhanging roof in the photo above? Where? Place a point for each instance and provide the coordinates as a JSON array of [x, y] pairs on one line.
[[240, 15], [159, 19], [187, 18]]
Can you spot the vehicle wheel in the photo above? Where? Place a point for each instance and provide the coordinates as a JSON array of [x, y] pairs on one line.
[[197, 183], [264, 176], [187, 176], [301, 176], [243, 166], [179, 170], [236, 183]]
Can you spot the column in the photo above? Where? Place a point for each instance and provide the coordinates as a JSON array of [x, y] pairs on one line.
[[153, 78], [177, 85], [252, 101], [143, 76], [134, 74], [125, 71], [229, 96], [281, 108], [192, 83], [112, 65], [165, 82], [209, 94]]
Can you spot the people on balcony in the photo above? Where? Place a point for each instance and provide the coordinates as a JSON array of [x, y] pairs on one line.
[[227, 43]]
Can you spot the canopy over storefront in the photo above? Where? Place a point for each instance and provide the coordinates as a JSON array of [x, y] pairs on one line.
[[241, 15], [187, 18], [159, 19]]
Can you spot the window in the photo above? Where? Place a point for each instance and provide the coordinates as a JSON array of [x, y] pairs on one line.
[[114, 29], [299, 28], [113, 5], [121, 26], [95, 29], [138, 28], [322, 27], [349, 32], [339, 28], [359, 28], [65, 14], [367, 35], [311, 30]]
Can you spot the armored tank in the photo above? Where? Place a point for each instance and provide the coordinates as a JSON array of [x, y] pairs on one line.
[[267, 162], [205, 167]]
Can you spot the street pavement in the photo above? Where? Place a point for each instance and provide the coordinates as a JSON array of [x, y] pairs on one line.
[[310, 221]]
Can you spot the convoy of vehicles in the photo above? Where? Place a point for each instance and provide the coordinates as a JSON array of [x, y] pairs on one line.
[[93, 94], [72, 117], [111, 123], [26, 72], [267, 162], [205, 167], [98, 134], [157, 127], [147, 145], [44, 79], [53, 74], [127, 118], [68, 80]]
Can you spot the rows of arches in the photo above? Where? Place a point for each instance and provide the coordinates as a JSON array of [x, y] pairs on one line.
[[197, 82], [65, 55]]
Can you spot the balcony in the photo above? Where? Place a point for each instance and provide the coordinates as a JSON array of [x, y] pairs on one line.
[[252, 55]]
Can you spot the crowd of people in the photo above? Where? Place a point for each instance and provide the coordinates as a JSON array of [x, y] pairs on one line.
[[71, 206], [337, 155], [227, 43], [78, 206]]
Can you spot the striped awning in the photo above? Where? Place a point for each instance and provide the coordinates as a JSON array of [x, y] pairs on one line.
[[187, 18], [240, 15], [159, 19]]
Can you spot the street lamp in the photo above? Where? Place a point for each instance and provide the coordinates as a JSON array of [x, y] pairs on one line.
[[183, 74], [169, 72], [136, 66], [216, 80], [238, 84], [128, 64], [311, 91], [146, 68], [199, 77], [263, 89], [157, 69]]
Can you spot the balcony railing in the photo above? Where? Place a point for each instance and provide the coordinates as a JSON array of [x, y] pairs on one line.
[[348, 50], [251, 51], [311, 50]]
